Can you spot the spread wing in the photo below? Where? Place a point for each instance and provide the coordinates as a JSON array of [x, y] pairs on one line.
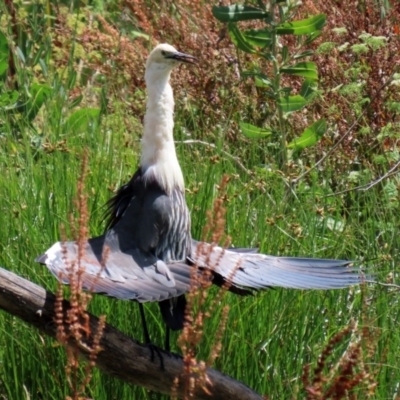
[[104, 268], [248, 269], [136, 275]]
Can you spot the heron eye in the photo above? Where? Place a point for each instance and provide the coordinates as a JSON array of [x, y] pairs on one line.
[[163, 52]]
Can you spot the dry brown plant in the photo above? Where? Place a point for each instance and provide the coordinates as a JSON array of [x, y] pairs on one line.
[[336, 380], [198, 311], [73, 323]]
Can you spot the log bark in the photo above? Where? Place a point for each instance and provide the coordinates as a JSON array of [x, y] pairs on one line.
[[120, 355]]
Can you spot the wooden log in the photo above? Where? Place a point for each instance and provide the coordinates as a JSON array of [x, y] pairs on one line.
[[120, 355]]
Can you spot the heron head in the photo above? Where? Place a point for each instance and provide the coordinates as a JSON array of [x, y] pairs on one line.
[[165, 57]]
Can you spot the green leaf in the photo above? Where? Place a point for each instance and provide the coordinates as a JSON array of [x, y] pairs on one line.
[[308, 88], [4, 53], [20, 54], [239, 40], [261, 80], [291, 103], [306, 69], [312, 37], [238, 12], [9, 99], [138, 34], [76, 101], [71, 80], [43, 65], [258, 37], [83, 119], [303, 27], [254, 132], [38, 94], [310, 136], [40, 53], [283, 11], [306, 53], [285, 54]]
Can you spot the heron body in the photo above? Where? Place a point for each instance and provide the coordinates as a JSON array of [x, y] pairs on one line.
[[146, 252]]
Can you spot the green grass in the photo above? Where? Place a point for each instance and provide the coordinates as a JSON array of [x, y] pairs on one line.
[[270, 336]]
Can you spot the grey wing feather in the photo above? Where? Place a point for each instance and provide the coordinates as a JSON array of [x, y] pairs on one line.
[[195, 243], [260, 271], [127, 275], [132, 274]]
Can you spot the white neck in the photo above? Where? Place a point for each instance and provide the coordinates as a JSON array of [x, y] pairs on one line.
[[158, 160]]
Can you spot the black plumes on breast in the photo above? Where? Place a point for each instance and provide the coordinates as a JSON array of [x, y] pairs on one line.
[[146, 217], [118, 204]]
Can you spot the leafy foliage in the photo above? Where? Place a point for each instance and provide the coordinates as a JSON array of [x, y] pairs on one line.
[[269, 43]]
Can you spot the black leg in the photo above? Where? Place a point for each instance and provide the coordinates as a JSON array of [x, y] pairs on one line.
[[167, 331], [144, 325], [153, 349]]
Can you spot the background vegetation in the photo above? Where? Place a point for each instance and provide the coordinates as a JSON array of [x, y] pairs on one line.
[[71, 80]]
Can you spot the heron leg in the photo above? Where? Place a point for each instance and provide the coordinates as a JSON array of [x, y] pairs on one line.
[[144, 325], [152, 347], [167, 332]]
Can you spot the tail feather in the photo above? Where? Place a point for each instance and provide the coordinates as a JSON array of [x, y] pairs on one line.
[[173, 312]]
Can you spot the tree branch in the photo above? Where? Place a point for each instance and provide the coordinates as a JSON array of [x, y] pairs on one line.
[[120, 356]]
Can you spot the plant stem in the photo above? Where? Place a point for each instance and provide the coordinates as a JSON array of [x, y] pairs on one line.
[[282, 155]]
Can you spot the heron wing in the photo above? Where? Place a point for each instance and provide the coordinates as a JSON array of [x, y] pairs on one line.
[[258, 271], [103, 267], [195, 243]]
